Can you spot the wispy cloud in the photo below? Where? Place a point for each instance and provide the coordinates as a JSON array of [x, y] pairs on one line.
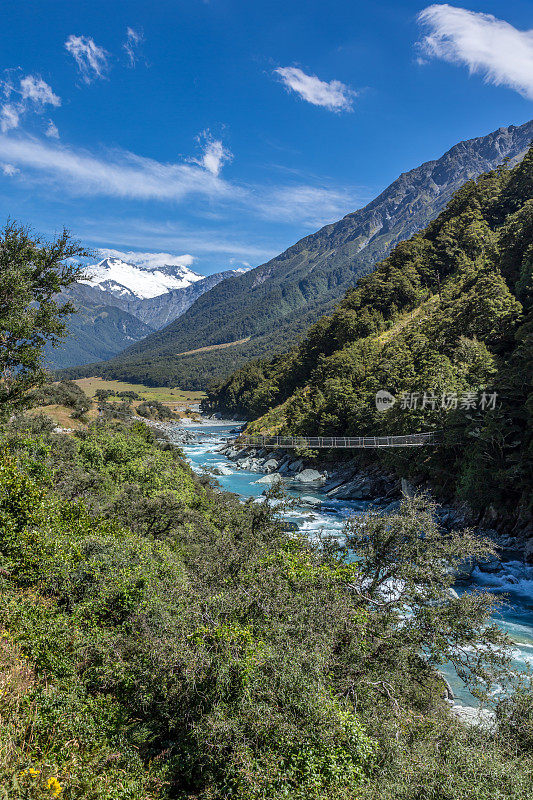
[[91, 60], [121, 174], [202, 241], [214, 154], [9, 169], [486, 45], [32, 94], [313, 206], [9, 117], [132, 45], [335, 96], [148, 260], [52, 131], [33, 88]]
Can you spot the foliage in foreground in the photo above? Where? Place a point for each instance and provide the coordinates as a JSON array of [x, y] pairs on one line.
[[33, 273], [160, 639]]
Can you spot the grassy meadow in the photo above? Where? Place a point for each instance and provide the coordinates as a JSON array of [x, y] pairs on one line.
[[175, 397]]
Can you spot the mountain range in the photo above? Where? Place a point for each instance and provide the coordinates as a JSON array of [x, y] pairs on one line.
[[267, 309], [119, 303]]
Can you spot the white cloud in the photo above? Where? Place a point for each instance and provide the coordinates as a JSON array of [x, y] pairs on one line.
[[91, 59], [33, 88], [486, 45], [52, 131], [335, 96], [147, 234], [214, 155], [134, 40], [34, 94], [148, 260], [313, 206], [9, 117], [9, 169], [121, 174]]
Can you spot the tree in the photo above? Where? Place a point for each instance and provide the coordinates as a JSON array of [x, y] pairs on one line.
[[406, 567], [33, 272]]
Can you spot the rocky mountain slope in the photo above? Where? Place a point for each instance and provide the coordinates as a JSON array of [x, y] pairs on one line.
[[272, 306], [121, 303]]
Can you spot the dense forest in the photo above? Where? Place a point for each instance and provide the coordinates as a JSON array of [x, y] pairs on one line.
[[445, 325], [161, 639]]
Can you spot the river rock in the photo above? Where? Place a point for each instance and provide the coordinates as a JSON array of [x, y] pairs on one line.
[[407, 489], [354, 490], [221, 470], [528, 551], [308, 500], [271, 465], [465, 568], [272, 479], [492, 566], [296, 466], [309, 476], [334, 483]]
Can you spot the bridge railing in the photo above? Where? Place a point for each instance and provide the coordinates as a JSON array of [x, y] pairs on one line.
[[337, 442]]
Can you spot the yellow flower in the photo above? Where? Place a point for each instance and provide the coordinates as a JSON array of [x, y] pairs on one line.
[[54, 786], [34, 772]]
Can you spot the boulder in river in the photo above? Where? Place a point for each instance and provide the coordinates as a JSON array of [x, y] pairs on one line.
[[308, 500], [296, 466], [309, 476], [528, 551], [272, 479], [354, 490], [221, 470]]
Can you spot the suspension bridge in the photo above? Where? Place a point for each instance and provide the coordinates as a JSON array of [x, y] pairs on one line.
[[337, 442]]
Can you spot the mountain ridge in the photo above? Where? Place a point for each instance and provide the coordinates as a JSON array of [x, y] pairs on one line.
[[123, 278], [274, 303], [146, 300]]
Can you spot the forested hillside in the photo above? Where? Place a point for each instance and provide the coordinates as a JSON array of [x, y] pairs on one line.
[[445, 324], [97, 331], [161, 639], [273, 305]]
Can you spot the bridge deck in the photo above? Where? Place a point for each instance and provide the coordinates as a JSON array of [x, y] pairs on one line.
[[337, 442]]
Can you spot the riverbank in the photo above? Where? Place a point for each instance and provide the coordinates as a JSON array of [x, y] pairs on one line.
[[348, 480]]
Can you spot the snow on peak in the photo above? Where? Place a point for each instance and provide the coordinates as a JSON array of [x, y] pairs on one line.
[[120, 278]]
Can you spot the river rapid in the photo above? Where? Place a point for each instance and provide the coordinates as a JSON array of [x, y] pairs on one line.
[[514, 582]]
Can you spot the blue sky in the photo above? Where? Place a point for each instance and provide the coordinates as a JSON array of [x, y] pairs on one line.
[[221, 132]]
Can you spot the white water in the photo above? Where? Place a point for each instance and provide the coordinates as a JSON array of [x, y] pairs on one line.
[[514, 580]]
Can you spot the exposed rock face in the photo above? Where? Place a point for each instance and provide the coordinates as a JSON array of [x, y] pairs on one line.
[[164, 308]]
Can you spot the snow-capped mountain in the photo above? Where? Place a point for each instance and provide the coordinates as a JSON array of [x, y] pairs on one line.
[[119, 303], [130, 281]]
